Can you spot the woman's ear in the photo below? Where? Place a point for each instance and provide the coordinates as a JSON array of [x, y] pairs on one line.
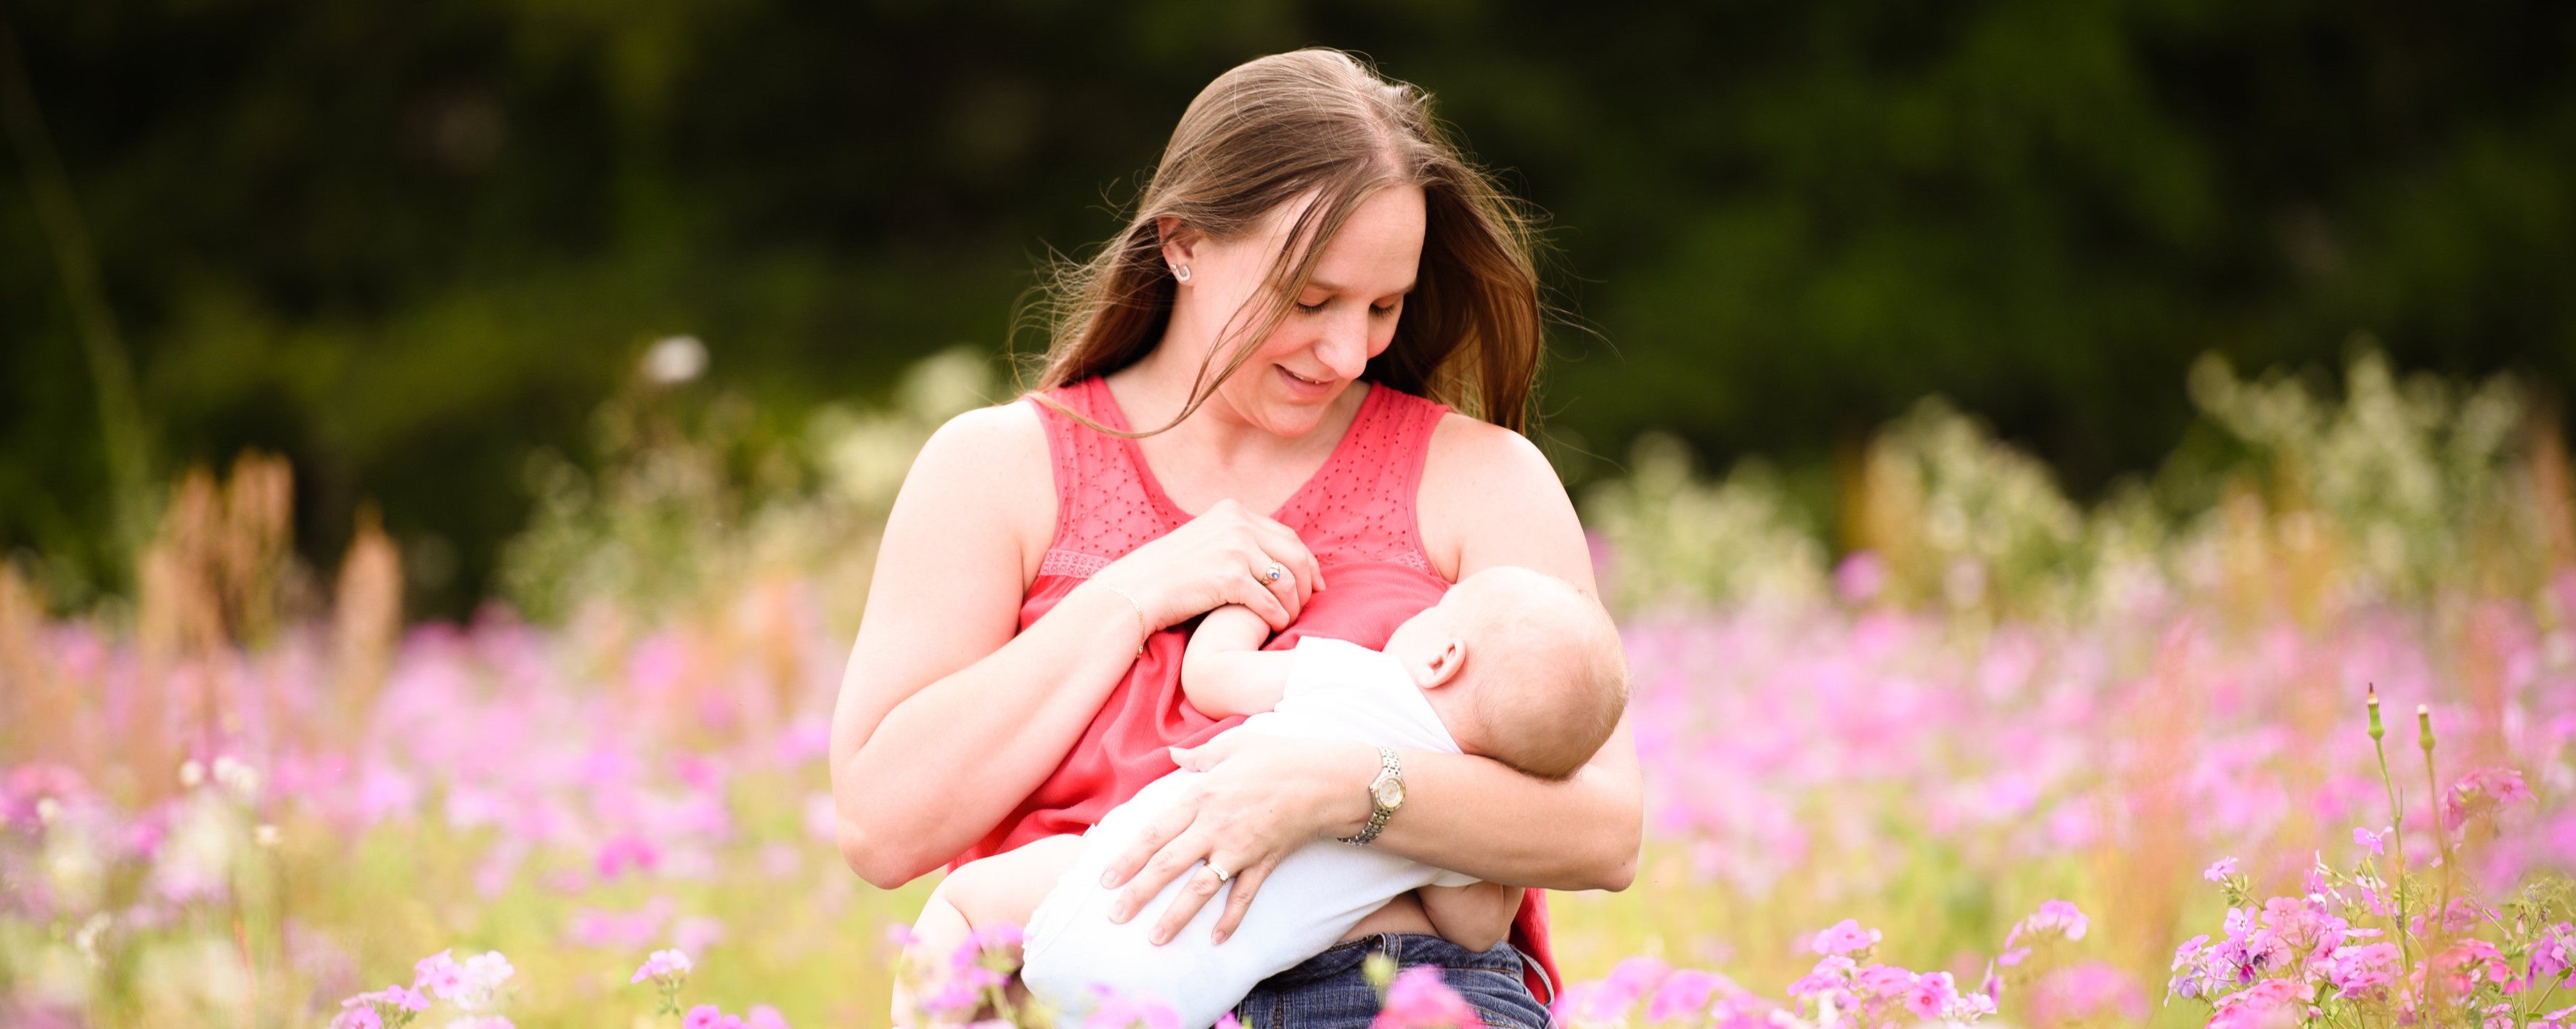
[[1440, 667], [1180, 242]]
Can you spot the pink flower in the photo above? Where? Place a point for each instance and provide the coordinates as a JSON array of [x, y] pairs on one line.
[[2218, 871], [358, 1018], [704, 1016], [624, 851], [1835, 972], [662, 964], [997, 937], [1931, 996], [1860, 577], [2270, 1002], [2365, 838], [1418, 998], [2480, 792], [1631, 978], [762, 1016], [1228, 1021], [440, 975], [391, 996], [2362, 971], [2090, 992], [1846, 937], [1118, 1010], [1684, 994]]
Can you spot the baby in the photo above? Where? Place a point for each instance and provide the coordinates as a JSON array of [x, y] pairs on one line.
[[1510, 664]]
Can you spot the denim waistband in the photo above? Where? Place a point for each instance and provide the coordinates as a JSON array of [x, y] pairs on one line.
[[1406, 949]]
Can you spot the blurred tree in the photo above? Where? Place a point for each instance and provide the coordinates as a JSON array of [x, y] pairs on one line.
[[407, 244]]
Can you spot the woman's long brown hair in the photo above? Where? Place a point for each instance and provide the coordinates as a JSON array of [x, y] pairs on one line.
[[1316, 123]]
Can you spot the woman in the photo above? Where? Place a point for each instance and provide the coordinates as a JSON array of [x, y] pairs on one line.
[[1310, 260]]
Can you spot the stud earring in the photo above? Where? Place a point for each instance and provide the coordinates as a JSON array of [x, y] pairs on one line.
[[1181, 272]]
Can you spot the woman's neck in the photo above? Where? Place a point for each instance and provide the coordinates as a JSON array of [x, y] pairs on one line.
[[1218, 452]]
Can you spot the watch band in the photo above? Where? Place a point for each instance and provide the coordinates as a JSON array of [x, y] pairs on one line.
[[1379, 811]]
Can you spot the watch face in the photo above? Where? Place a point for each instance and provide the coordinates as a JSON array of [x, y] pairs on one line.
[[1389, 793]]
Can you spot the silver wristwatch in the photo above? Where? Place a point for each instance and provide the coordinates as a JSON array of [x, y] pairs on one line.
[[1386, 794]]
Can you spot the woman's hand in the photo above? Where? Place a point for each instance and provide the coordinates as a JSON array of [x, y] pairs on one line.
[[1221, 557], [1262, 797]]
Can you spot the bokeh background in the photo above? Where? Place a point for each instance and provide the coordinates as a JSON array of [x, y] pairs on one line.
[[443, 447], [408, 245]]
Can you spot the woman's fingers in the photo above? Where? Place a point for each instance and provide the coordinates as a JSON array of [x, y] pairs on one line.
[[1238, 898], [1163, 829], [1202, 883], [1175, 859], [1294, 557]]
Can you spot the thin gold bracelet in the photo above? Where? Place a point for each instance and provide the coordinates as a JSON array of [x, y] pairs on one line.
[[1141, 623]]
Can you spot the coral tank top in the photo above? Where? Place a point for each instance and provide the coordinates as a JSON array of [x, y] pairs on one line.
[[1356, 515]]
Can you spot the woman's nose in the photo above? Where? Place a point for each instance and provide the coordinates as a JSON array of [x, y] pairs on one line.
[[1343, 347]]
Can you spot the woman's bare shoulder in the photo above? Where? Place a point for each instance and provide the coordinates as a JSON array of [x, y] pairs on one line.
[[990, 463], [1489, 497]]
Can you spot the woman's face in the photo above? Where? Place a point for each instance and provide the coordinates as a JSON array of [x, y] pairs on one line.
[[1345, 316]]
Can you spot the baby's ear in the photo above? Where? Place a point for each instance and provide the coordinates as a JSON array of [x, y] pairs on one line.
[[1440, 667]]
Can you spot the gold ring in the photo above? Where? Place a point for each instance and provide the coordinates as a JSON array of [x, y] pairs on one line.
[[1273, 573], [1221, 874]]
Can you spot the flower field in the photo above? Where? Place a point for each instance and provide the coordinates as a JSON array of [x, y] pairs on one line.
[[2008, 759]]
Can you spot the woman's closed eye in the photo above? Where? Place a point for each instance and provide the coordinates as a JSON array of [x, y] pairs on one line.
[[1377, 309]]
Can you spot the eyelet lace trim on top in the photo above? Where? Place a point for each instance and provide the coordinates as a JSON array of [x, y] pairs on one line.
[[1358, 507]]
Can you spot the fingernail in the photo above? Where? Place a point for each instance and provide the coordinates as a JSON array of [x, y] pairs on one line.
[[1220, 937], [1161, 937], [1108, 878]]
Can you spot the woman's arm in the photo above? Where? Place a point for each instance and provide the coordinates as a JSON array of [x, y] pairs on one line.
[[1490, 498], [937, 662], [948, 715], [1487, 498]]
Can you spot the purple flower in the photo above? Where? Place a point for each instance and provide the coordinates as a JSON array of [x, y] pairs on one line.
[[2373, 840], [2218, 871], [2362, 971], [2554, 953]]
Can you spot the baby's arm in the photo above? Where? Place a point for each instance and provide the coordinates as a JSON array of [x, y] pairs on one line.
[[1466, 915], [1225, 672]]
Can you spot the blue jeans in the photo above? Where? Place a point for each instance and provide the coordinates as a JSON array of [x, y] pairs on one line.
[[1329, 992]]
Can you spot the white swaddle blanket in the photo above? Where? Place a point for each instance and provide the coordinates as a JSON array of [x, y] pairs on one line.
[[1335, 690]]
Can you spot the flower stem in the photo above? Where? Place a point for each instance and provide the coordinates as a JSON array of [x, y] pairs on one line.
[[2437, 921], [2397, 822]]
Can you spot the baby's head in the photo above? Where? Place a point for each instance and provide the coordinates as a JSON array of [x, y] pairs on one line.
[[1522, 668]]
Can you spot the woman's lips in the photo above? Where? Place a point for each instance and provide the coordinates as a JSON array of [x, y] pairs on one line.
[[1302, 387]]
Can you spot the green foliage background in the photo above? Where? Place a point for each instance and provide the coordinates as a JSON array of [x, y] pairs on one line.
[[410, 245]]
